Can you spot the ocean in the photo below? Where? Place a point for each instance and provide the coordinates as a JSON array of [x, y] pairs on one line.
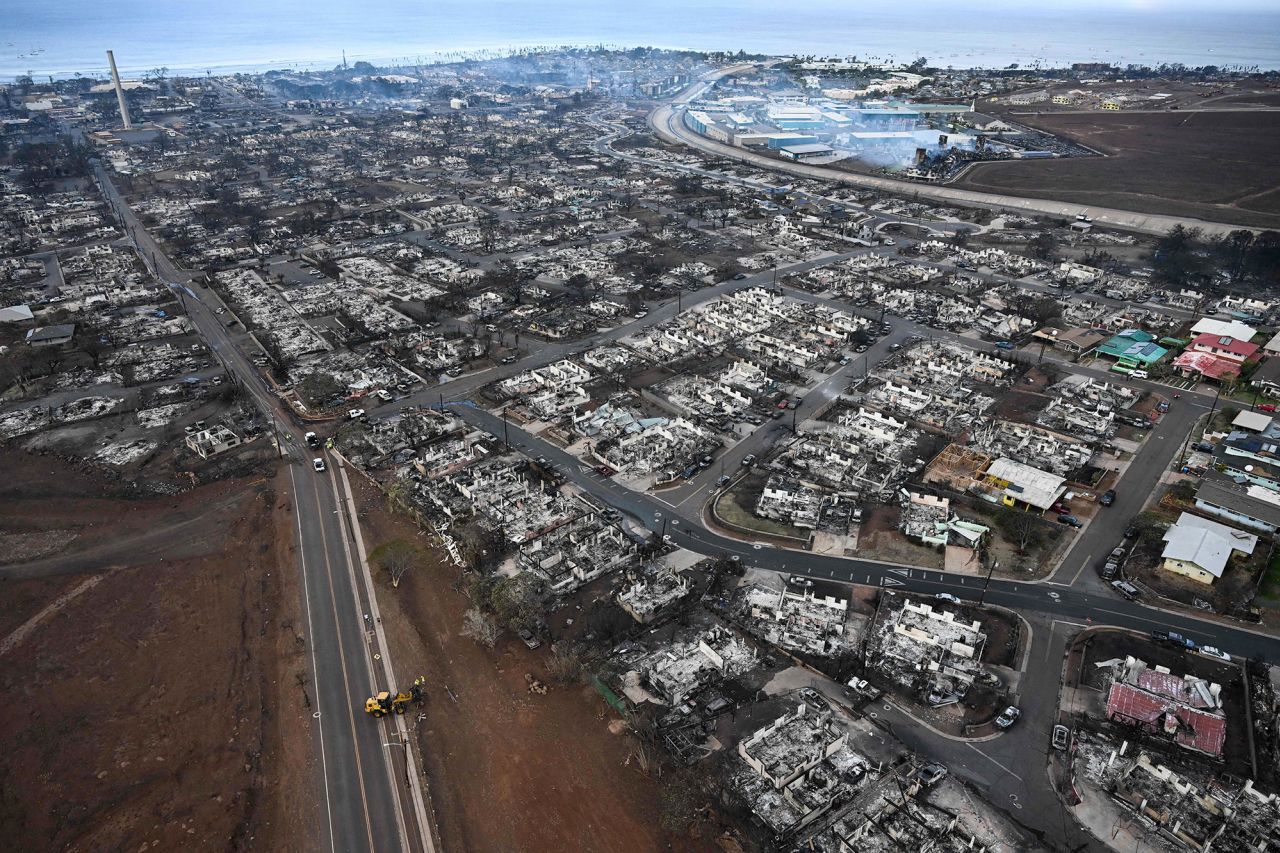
[[63, 38]]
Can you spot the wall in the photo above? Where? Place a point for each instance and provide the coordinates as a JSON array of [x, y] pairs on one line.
[[1191, 570]]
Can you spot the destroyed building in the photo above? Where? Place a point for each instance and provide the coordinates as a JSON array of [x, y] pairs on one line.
[[797, 768], [1183, 710], [800, 622], [930, 651]]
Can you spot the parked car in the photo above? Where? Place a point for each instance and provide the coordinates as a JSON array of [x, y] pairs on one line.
[[1162, 406], [1117, 553], [605, 471], [1109, 569], [1266, 407], [318, 464], [508, 359], [1061, 737], [1214, 652], [777, 414], [1108, 497], [527, 637], [843, 360], [1008, 717], [740, 276], [931, 774], [1131, 531], [800, 580], [946, 596], [1004, 345], [1071, 520], [312, 439], [355, 414], [860, 348], [864, 688], [1176, 639], [791, 404], [722, 481], [1128, 590], [749, 460]]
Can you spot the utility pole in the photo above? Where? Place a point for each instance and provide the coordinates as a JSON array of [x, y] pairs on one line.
[[982, 596], [505, 440]]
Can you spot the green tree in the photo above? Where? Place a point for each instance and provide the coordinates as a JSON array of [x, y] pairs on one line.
[[397, 558], [1044, 246]]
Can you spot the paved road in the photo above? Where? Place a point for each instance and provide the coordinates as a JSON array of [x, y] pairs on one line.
[[668, 122], [364, 808]]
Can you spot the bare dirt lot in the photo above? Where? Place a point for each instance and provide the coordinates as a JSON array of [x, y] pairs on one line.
[[508, 769], [1216, 166], [152, 699]]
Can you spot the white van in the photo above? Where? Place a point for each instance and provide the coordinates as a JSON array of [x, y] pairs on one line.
[[1139, 374]]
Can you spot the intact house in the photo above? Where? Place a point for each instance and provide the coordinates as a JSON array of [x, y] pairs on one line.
[[51, 336], [1253, 507], [1201, 549], [1247, 458], [1074, 341], [1132, 349], [1215, 357]]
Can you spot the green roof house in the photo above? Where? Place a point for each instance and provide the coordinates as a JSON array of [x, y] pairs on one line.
[[1132, 348]]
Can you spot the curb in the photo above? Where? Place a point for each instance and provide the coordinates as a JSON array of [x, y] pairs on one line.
[[938, 732]]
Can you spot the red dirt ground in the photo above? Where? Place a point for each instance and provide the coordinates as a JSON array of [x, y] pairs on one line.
[[508, 770], [160, 708], [1213, 165]]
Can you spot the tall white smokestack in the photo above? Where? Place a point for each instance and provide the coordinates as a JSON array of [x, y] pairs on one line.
[[115, 79]]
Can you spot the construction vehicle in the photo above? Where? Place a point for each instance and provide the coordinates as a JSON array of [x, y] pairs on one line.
[[386, 703]]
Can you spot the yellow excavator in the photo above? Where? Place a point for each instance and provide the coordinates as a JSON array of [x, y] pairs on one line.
[[387, 703]]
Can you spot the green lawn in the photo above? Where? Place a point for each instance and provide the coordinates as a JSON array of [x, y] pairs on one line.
[[728, 509]]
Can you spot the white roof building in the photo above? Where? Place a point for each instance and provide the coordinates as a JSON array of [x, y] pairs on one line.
[[1252, 421], [1205, 543], [1224, 329], [1026, 484]]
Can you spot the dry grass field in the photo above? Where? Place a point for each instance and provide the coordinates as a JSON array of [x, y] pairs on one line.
[[1218, 166]]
